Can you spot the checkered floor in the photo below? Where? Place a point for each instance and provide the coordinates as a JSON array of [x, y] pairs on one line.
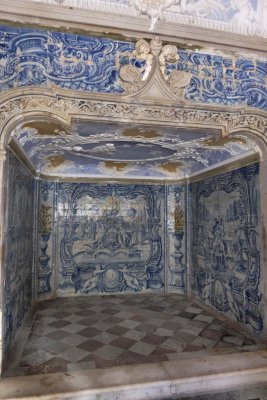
[[69, 334]]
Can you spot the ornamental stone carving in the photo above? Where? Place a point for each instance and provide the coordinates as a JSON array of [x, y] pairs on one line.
[[177, 80], [144, 63], [3, 155], [66, 107], [134, 67]]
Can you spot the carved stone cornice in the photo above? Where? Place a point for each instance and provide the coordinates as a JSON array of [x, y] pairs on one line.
[[185, 28], [40, 102], [244, 19]]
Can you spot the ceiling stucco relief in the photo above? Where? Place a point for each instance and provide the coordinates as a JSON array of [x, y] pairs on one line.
[[106, 150], [238, 16]]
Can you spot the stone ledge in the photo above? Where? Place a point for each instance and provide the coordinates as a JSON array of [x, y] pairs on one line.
[[82, 20], [145, 381]]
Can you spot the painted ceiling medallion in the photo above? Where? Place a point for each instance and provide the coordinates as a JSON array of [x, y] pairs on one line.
[[123, 151]]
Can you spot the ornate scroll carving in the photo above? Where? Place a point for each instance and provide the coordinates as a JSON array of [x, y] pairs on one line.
[[138, 66], [177, 80], [66, 106]]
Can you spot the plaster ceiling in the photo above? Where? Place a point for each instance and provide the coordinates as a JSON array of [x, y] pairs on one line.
[[112, 150]]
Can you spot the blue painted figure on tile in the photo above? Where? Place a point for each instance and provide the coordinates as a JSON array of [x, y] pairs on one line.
[[18, 249], [110, 238], [226, 246], [219, 247]]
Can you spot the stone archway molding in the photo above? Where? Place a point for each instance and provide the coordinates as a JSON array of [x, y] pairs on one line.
[[19, 105]]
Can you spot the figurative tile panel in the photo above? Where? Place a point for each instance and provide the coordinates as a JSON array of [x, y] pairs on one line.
[[36, 57], [176, 271], [225, 242], [113, 150], [46, 235], [110, 238], [19, 249]]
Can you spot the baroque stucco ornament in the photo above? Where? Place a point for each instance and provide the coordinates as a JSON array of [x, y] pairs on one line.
[[152, 59], [154, 8]]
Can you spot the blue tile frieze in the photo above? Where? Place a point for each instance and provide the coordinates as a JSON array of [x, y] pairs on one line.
[[225, 244], [19, 249], [34, 57], [110, 238], [41, 58], [220, 80]]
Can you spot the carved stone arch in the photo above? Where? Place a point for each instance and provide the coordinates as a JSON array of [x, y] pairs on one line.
[[17, 111], [250, 131], [66, 105], [19, 107], [26, 120], [156, 88]]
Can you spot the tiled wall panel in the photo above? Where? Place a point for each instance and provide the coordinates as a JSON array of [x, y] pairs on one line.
[[226, 243], [108, 238], [19, 249]]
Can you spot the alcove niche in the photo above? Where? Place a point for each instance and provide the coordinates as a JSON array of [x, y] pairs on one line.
[[106, 207]]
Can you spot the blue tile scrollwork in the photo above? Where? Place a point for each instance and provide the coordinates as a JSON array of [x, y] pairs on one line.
[[220, 80], [225, 244], [110, 238], [38, 57], [46, 187], [34, 57]]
